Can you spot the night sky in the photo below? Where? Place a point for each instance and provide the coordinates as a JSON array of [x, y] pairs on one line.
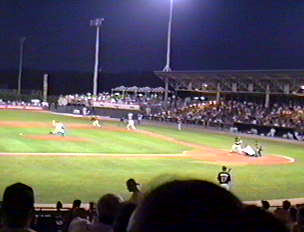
[[207, 34]]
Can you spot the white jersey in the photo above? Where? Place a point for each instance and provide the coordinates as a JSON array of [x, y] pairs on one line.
[[130, 116], [59, 127]]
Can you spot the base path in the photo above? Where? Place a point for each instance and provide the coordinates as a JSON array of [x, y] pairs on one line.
[[214, 155]]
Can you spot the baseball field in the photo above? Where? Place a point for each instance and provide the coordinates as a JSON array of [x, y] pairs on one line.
[[89, 161]]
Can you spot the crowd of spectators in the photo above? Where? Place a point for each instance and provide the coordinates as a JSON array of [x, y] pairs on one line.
[[229, 113], [178, 205], [117, 97], [33, 102]]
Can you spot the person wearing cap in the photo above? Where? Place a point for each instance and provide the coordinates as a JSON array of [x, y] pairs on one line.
[[17, 208], [137, 195]]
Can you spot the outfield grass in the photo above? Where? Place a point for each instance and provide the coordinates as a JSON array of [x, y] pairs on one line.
[[87, 178]]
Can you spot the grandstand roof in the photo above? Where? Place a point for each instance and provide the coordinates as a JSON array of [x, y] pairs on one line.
[[279, 81], [272, 74]]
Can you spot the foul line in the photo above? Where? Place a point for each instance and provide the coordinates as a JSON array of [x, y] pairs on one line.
[[95, 155]]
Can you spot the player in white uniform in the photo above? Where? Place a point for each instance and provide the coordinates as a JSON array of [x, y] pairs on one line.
[[237, 145], [59, 128], [130, 124], [179, 123], [95, 122]]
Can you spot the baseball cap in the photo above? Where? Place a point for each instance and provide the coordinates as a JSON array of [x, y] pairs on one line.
[[131, 181]]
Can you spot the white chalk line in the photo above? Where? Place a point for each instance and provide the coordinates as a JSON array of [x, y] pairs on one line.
[[94, 155]]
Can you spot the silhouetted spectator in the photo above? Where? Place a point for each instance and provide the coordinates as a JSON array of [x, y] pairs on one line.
[[59, 205], [137, 195], [78, 223], [76, 204], [255, 219], [17, 207], [283, 213], [190, 205], [123, 218], [69, 216], [108, 208], [265, 205], [92, 211], [293, 214], [299, 226]]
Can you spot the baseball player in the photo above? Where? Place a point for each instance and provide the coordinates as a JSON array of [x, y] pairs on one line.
[[258, 149], [179, 123], [59, 128], [237, 145], [130, 124], [224, 178], [95, 122]]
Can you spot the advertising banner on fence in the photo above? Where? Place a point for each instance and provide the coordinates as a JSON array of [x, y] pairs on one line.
[[115, 106], [12, 107]]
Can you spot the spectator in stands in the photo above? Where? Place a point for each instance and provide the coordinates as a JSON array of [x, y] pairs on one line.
[[265, 205], [293, 216], [137, 195], [254, 219], [108, 208], [17, 208], [283, 213], [189, 205], [299, 226], [79, 222], [92, 211], [123, 218], [59, 205], [69, 216], [228, 113]]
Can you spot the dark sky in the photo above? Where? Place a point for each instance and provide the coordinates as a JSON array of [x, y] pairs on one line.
[[207, 34]]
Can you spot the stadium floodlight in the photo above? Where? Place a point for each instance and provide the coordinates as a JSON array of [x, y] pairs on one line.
[[96, 23], [22, 39], [167, 68]]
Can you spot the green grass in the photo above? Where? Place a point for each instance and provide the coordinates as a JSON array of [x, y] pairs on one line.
[[100, 141], [87, 178]]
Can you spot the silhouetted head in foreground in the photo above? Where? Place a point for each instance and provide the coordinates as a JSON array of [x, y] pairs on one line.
[[108, 208], [196, 206], [18, 206], [191, 205]]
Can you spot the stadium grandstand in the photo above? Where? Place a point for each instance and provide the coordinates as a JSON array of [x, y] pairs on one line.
[[260, 83]]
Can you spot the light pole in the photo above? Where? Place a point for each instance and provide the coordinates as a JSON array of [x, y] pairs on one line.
[[22, 39], [96, 23], [167, 68]]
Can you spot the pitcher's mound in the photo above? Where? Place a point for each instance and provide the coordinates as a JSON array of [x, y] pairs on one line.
[[57, 138]]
